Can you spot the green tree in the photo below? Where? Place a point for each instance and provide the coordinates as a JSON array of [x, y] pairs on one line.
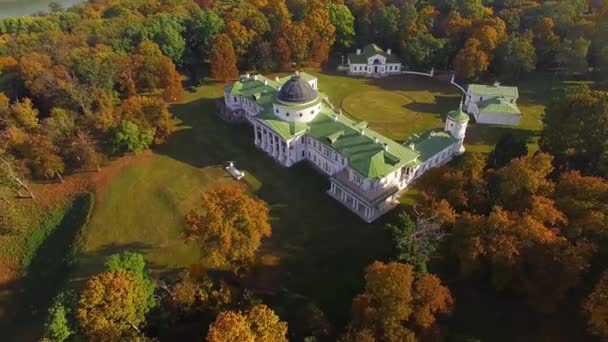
[[516, 55], [128, 137], [343, 20], [415, 241], [61, 323], [575, 127], [572, 55], [423, 50], [507, 148], [200, 28]]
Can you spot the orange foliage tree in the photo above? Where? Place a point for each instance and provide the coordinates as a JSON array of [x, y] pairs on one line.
[[395, 305], [223, 58], [230, 226], [596, 307], [471, 60], [258, 324]]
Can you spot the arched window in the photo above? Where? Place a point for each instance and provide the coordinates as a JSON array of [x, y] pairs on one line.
[[300, 114], [287, 114], [277, 110]]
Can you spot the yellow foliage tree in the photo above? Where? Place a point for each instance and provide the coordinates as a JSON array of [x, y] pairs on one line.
[[230, 226], [471, 60], [112, 304], [258, 324]]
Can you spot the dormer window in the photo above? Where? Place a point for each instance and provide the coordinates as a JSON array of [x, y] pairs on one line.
[[277, 110]]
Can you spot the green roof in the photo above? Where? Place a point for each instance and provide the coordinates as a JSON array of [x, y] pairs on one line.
[[254, 84], [499, 105], [285, 129], [369, 51], [494, 90], [459, 115], [430, 143], [368, 153]]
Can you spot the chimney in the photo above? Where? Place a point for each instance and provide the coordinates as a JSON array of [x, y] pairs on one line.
[[255, 77], [334, 118], [340, 111], [297, 73], [376, 140], [265, 82], [276, 78], [388, 51], [386, 147], [362, 131], [247, 75], [358, 51], [497, 84]]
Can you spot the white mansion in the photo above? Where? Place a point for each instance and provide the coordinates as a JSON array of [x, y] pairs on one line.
[[294, 122], [493, 104], [373, 61]]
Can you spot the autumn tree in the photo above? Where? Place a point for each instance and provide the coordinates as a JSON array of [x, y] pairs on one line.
[[43, 157], [230, 226], [395, 305], [260, 323], [223, 58], [114, 304], [149, 113], [471, 60], [584, 201], [596, 308], [194, 293], [283, 53]]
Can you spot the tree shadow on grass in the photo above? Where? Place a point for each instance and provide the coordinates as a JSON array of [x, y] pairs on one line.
[[440, 107], [46, 275]]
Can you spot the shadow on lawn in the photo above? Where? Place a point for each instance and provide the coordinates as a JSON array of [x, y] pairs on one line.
[[321, 248], [46, 275]]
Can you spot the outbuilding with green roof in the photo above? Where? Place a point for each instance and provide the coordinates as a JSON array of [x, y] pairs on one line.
[[372, 61]]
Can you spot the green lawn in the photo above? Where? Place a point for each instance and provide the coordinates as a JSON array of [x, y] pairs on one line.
[[318, 249]]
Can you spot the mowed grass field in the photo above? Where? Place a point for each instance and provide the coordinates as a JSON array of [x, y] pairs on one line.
[[319, 249]]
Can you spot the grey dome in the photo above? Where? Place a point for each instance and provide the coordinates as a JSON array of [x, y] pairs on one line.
[[296, 91]]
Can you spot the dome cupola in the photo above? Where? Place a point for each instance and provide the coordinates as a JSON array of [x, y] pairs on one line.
[[296, 91]]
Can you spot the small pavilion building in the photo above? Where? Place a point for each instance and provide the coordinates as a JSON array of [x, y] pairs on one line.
[[493, 104], [372, 61]]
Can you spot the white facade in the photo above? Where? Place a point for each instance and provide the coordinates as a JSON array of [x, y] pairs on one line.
[[371, 61], [506, 114]]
